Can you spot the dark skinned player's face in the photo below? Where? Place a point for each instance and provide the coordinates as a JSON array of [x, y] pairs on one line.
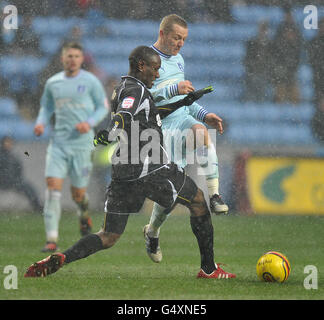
[[150, 71]]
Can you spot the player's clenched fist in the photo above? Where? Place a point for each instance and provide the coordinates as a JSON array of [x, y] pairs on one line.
[[83, 127], [184, 87], [38, 130], [101, 138]]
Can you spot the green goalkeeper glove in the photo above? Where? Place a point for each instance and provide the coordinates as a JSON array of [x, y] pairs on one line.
[[101, 138], [195, 95]]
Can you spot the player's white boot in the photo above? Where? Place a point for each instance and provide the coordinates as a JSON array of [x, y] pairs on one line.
[[217, 205], [152, 246]]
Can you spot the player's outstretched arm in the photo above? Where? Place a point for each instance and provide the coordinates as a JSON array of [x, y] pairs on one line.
[[165, 110]]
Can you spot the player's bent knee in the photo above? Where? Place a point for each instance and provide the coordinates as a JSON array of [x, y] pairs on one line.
[[198, 204], [201, 136], [108, 238], [199, 197], [54, 183], [78, 194]]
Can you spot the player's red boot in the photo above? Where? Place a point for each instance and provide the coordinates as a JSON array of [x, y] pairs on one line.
[[219, 273], [46, 266]]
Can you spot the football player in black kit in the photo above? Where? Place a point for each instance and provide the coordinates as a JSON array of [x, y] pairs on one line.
[[143, 173]]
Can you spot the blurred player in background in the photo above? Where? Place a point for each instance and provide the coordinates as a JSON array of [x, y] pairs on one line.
[[78, 100], [169, 88], [12, 176], [151, 176]]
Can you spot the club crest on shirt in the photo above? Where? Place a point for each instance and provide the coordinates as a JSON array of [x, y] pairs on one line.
[[180, 66], [81, 88]]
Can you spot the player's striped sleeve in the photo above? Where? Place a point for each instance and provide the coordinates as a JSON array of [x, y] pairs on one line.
[[173, 90], [165, 93], [198, 112], [201, 114]]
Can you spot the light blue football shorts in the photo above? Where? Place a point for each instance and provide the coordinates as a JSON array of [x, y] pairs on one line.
[[175, 131], [75, 163]]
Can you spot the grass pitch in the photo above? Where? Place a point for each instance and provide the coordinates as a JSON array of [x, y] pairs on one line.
[[124, 272]]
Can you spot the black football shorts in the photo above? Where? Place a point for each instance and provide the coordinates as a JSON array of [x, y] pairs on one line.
[[166, 186]]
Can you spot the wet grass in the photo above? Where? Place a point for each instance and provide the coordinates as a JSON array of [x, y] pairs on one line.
[[124, 272]]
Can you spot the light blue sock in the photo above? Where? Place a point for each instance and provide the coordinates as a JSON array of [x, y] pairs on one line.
[[52, 214], [208, 160], [158, 217]]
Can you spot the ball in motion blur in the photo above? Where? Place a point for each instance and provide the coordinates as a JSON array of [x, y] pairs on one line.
[[273, 266]]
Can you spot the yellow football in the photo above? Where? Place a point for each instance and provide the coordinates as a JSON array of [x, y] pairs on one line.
[[273, 266]]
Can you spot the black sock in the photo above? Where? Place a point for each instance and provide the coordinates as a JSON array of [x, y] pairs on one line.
[[86, 246], [202, 228]]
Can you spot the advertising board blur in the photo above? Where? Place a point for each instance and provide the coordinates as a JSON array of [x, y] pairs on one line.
[[285, 185]]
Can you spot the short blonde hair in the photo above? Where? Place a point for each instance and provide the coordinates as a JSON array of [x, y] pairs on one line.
[[168, 21], [71, 45]]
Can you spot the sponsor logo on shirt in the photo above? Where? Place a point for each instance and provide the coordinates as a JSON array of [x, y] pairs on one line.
[[128, 102]]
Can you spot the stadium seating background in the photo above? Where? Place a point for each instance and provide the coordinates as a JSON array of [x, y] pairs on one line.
[[213, 55]]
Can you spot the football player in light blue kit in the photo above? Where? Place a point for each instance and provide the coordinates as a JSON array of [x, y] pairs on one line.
[[78, 100], [186, 121]]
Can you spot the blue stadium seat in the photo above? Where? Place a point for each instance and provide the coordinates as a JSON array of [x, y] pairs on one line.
[[254, 14], [20, 129], [143, 31], [8, 107], [214, 72], [222, 92], [269, 133], [305, 74], [244, 134], [54, 25], [230, 71], [21, 72], [302, 113], [24, 130], [231, 111], [262, 113], [12, 127], [109, 47], [305, 80], [113, 66], [203, 32], [50, 45], [234, 32], [306, 91], [27, 65], [230, 52], [297, 135]]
